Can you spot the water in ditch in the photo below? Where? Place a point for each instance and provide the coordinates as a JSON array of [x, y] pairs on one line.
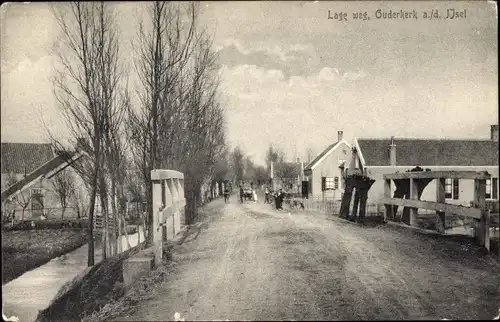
[[24, 296]]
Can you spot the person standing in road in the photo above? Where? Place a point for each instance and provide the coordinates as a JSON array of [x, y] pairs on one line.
[[241, 194], [226, 195], [266, 200], [281, 196], [254, 193]]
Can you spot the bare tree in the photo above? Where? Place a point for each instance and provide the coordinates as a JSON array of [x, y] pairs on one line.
[[274, 155], [162, 53], [86, 89], [23, 199], [64, 187], [79, 202], [238, 163]]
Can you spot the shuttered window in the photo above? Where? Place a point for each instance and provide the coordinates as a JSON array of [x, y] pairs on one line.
[[492, 188], [455, 189], [495, 188], [451, 189], [328, 183]]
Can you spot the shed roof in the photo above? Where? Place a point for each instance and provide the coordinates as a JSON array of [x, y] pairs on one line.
[[430, 152], [24, 157]]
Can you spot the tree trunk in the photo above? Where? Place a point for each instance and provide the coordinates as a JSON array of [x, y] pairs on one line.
[[115, 216], [149, 212], [346, 199], [125, 225], [362, 205], [62, 212], [357, 197], [104, 213], [90, 236]]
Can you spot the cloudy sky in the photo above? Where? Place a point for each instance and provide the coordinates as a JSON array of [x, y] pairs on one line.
[[293, 77]]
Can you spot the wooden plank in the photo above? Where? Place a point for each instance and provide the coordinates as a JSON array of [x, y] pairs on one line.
[[456, 209], [166, 174], [413, 196], [480, 202], [439, 174], [441, 198], [387, 194]]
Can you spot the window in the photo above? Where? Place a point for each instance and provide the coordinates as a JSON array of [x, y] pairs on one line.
[[328, 183], [37, 199], [451, 189], [492, 188], [336, 184]]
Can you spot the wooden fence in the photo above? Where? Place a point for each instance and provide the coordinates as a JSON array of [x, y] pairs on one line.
[[478, 211], [332, 206]]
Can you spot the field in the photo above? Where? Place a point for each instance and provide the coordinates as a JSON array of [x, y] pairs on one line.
[[25, 250]]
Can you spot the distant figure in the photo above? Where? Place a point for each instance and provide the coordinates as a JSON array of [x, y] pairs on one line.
[[241, 194], [281, 195], [254, 196], [266, 200], [226, 195]]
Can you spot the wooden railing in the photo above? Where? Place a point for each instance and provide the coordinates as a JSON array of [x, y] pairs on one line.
[[168, 207], [478, 210]]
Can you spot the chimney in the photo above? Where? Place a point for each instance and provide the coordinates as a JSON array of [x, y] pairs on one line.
[[392, 153], [494, 132], [354, 156], [339, 135]]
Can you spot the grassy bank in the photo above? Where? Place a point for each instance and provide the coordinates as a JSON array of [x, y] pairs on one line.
[[98, 294], [89, 291], [25, 250]]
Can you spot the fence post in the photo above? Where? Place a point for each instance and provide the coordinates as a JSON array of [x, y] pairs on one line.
[[169, 204], [480, 202], [413, 196], [387, 194], [440, 197]]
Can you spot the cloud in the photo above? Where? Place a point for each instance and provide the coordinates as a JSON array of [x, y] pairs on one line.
[[292, 110], [27, 94], [263, 106], [291, 59]]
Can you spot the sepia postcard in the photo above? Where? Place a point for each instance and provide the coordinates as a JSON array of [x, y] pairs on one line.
[[249, 160]]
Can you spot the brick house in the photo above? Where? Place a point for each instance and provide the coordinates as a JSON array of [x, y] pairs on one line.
[[379, 156], [27, 171], [324, 174]]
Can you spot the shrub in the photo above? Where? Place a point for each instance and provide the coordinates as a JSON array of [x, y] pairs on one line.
[[49, 224]]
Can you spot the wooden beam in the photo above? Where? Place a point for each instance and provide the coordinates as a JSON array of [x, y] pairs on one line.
[[456, 209], [413, 196], [482, 233], [387, 194], [483, 175], [166, 174], [441, 198]]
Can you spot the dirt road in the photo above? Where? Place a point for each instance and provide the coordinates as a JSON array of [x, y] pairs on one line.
[[250, 262]]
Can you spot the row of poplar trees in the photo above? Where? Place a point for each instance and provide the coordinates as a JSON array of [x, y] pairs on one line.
[[158, 110]]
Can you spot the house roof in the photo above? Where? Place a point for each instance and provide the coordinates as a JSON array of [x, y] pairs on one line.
[[21, 157], [429, 152], [47, 169], [323, 154]]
